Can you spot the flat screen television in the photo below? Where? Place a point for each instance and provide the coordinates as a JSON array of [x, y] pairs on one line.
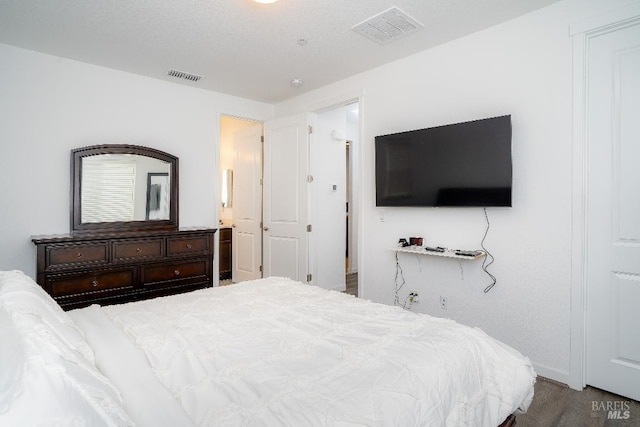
[[462, 164]]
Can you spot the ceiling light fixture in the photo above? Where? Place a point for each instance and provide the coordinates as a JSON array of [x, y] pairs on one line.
[[296, 82], [265, 1]]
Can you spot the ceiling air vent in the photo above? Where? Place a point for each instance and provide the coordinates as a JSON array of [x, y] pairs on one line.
[[387, 26], [184, 76]]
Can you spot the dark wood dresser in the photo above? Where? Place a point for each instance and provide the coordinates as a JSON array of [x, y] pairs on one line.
[[115, 268]]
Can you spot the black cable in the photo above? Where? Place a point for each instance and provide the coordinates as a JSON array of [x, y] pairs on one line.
[[398, 286], [486, 264], [408, 302]]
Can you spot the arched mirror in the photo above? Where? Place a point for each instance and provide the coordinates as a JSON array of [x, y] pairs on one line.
[[119, 188]]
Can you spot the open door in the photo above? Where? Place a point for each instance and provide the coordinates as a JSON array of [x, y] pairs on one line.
[[613, 209], [328, 200], [286, 225], [247, 210]]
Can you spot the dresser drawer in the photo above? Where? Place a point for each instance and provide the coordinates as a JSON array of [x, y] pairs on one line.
[[96, 281], [184, 272], [75, 255], [127, 250], [188, 245]]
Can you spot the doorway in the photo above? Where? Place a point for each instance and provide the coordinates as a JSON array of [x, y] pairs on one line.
[[334, 168], [351, 259], [327, 182], [240, 237]]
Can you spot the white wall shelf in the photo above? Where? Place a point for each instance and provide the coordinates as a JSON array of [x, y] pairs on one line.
[[448, 253]]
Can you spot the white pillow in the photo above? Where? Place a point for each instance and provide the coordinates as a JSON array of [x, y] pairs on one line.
[[19, 293], [45, 377]]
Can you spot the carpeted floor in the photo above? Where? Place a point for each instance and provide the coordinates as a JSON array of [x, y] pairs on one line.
[[557, 405]]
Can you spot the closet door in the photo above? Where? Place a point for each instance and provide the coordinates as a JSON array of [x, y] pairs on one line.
[[613, 210]]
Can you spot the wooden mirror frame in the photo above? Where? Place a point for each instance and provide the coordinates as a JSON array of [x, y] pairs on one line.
[[78, 227]]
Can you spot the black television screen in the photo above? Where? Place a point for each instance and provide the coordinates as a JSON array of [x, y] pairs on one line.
[[463, 164]]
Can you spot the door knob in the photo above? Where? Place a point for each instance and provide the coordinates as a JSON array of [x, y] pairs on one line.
[[265, 228]]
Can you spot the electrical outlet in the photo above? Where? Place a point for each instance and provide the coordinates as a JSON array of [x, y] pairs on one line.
[[443, 302], [414, 298]]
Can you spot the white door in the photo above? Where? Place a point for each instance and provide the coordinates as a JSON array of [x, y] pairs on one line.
[[328, 167], [286, 201], [613, 212], [247, 204]]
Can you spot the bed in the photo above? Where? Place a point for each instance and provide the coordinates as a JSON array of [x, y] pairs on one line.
[[269, 352]]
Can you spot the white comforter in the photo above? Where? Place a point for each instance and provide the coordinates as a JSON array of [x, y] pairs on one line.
[[274, 352]]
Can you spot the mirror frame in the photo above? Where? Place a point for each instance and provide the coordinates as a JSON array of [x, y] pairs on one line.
[[78, 227]]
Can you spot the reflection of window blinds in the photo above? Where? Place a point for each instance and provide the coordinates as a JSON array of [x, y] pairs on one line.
[[107, 189]]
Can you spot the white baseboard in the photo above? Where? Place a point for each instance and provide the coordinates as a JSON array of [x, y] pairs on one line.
[[555, 375]]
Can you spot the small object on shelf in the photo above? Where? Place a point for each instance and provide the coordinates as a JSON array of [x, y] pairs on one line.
[[468, 253], [438, 249], [403, 243], [415, 241]]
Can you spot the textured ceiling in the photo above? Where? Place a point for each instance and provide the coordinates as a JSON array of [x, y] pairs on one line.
[[241, 47]]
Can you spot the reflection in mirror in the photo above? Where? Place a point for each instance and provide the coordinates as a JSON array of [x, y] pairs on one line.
[[227, 188], [157, 195], [124, 187]]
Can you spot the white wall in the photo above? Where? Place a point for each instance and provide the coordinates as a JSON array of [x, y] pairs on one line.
[[49, 105], [522, 68]]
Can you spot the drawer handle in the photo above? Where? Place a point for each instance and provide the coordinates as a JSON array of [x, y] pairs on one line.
[[94, 283], [79, 255], [176, 272], [139, 250], [188, 245]]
